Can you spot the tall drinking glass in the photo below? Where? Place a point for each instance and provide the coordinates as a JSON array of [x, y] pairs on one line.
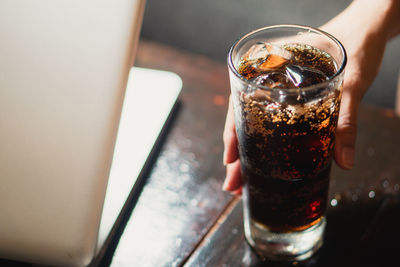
[[286, 84]]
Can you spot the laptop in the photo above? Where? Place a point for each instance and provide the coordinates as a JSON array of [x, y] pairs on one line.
[[74, 133]]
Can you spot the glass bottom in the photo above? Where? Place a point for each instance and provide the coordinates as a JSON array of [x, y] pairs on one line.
[[291, 246]]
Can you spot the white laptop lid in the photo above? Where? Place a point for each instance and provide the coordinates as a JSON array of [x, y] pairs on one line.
[[63, 71]]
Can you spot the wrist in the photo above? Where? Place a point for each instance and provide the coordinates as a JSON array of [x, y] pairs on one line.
[[365, 18], [377, 17], [393, 19]]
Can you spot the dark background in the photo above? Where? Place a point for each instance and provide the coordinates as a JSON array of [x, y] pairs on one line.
[[209, 27]]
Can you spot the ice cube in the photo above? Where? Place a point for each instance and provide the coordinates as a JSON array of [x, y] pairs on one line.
[[302, 76], [267, 56], [257, 51], [276, 79], [264, 80]]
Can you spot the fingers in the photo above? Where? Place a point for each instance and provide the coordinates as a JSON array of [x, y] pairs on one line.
[[346, 131], [233, 180], [230, 140]]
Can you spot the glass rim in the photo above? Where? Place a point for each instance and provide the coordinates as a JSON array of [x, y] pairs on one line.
[[289, 90]]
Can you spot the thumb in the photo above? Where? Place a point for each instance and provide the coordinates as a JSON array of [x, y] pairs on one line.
[[346, 131]]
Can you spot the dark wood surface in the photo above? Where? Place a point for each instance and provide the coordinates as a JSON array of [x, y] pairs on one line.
[[181, 217], [363, 214]]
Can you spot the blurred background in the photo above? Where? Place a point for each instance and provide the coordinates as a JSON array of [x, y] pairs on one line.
[[209, 27]]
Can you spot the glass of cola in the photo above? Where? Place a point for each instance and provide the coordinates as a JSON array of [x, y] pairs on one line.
[[286, 85]]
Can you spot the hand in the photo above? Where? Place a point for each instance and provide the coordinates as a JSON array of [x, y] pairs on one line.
[[364, 33], [233, 181]]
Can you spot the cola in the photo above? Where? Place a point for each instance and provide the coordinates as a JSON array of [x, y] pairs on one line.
[[287, 134]]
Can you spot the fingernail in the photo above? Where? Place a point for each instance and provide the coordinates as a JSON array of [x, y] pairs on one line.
[[225, 185], [224, 158], [348, 157]]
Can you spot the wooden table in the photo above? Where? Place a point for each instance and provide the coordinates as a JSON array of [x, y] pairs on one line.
[[181, 217]]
